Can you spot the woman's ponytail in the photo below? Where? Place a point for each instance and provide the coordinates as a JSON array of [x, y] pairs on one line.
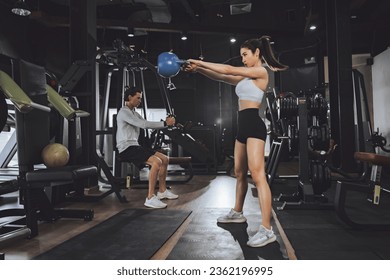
[[269, 56]]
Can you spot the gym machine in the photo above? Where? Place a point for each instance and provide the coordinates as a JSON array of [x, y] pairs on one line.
[[368, 191], [301, 123], [372, 188], [279, 137], [33, 179], [364, 140], [67, 86], [124, 62], [8, 174], [314, 176], [13, 225]]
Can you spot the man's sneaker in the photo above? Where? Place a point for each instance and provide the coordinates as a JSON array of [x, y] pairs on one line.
[[154, 202], [167, 194], [262, 237], [232, 217]]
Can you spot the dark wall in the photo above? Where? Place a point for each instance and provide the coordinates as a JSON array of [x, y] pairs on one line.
[[305, 61]]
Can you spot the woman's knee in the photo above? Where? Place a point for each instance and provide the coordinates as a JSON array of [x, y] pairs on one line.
[[240, 173], [258, 175]]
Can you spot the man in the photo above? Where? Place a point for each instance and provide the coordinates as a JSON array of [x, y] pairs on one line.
[[129, 123]]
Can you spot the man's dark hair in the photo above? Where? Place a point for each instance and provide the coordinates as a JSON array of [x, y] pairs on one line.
[[131, 91]]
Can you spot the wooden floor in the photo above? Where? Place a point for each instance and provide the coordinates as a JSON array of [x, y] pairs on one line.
[[203, 191]]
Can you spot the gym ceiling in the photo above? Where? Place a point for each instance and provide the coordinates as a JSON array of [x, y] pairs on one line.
[[281, 19]]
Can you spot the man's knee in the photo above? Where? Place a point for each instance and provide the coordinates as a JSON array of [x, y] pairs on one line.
[[155, 162], [164, 158], [165, 161]]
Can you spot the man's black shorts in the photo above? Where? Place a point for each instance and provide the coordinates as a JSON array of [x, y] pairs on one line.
[[137, 155]]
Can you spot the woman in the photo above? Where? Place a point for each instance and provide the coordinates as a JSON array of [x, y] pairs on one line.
[[251, 81]]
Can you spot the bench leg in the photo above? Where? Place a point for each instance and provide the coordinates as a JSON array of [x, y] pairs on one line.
[[342, 189]]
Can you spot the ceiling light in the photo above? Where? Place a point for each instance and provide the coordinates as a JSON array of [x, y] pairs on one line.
[[313, 27], [20, 8], [130, 32], [232, 40], [184, 36]]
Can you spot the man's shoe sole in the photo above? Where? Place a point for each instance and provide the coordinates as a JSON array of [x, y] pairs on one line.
[[171, 198], [155, 207]]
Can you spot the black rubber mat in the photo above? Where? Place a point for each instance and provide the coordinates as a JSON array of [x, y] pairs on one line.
[[133, 234], [320, 235], [205, 239]]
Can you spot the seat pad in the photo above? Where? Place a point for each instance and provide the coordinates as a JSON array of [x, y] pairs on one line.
[[66, 173]]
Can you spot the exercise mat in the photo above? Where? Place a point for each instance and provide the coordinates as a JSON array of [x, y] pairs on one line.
[[132, 234], [205, 239]]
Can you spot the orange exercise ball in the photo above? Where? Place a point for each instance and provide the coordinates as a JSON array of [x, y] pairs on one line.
[[55, 155]]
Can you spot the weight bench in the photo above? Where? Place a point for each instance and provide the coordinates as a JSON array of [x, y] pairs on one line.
[[372, 188], [188, 172], [32, 130]]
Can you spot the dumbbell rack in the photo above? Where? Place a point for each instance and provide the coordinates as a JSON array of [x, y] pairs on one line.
[[304, 197]]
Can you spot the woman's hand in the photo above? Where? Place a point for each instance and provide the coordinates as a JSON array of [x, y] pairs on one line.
[[190, 67], [194, 61]]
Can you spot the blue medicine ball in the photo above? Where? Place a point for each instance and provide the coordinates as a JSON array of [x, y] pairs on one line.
[[168, 64]]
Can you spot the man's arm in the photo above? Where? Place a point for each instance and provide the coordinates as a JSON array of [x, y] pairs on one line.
[[137, 120]]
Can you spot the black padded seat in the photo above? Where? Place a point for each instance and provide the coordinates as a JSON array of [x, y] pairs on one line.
[[180, 160], [61, 174]]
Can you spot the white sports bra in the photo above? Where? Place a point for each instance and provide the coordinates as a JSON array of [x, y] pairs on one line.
[[247, 90]]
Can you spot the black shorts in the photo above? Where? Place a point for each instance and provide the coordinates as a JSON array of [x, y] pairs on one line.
[[250, 125], [137, 155]]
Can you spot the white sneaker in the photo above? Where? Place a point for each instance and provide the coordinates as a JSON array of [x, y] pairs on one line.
[[154, 202], [232, 217], [167, 194], [262, 237]]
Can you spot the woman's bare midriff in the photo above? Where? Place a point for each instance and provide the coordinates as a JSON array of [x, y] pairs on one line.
[[247, 104]]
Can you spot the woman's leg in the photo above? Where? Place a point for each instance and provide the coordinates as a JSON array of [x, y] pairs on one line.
[[256, 165], [241, 173]]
